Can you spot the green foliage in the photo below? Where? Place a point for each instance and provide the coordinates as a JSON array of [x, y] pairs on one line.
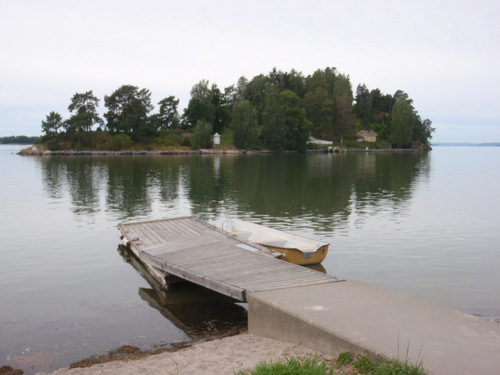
[[168, 116], [202, 135], [274, 133], [292, 366], [320, 111], [297, 127], [83, 109], [364, 365], [19, 139], [244, 125], [222, 103], [324, 79], [122, 141], [128, 109], [202, 105], [210, 105], [316, 366], [403, 121], [226, 138], [399, 368], [102, 140], [52, 124], [344, 121], [422, 132], [53, 144], [287, 106], [363, 106], [344, 358]]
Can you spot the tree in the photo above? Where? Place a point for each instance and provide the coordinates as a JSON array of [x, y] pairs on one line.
[[256, 93], [297, 127], [222, 108], [273, 117], [128, 109], [52, 124], [202, 135], [292, 81], [200, 106], [168, 116], [422, 132], [324, 79], [381, 103], [403, 119], [83, 109], [241, 88], [320, 112], [344, 122], [244, 124], [363, 105]]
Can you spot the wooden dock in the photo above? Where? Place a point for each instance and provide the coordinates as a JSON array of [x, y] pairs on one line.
[[196, 251]]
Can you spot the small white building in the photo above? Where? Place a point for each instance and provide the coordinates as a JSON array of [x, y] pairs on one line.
[[216, 139]]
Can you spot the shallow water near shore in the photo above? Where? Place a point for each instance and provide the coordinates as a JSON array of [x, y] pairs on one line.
[[421, 224]]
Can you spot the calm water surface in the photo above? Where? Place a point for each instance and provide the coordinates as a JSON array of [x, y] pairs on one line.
[[421, 224]]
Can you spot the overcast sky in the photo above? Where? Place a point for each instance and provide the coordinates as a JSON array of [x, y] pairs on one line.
[[444, 54]]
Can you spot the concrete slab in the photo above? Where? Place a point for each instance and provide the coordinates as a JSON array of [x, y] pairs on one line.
[[365, 319]]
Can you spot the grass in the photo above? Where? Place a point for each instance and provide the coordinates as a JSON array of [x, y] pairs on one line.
[[292, 366], [345, 364]]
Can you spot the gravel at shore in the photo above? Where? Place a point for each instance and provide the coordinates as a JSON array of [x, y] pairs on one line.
[[228, 355]]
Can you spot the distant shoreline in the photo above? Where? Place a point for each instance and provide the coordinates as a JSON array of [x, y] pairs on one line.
[[466, 144]]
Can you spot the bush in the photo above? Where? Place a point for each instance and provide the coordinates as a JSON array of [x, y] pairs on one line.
[[122, 141], [53, 145], [202, 135]]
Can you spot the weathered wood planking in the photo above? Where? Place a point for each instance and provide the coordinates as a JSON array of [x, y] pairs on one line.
[[201, 253]]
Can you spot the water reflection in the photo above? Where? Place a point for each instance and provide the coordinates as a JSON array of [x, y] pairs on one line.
[[325, 189], [197, 311]]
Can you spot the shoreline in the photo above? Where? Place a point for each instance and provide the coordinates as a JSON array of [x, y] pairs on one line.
[[222, 356], [34, 151]]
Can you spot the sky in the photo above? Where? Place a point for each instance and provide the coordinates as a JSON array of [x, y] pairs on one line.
[[444, 54]]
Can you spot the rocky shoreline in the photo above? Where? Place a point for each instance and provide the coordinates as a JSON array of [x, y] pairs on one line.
[[36, 151]]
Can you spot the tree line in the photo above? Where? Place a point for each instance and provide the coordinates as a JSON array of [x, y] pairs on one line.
[[277, 111], [19, 139]]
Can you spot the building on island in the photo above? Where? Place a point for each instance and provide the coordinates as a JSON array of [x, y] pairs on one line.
[[366, 136]]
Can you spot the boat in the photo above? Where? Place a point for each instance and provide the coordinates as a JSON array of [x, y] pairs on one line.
[[294, 249]]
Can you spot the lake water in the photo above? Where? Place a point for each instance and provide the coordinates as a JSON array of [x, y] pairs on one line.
[[421, 224]]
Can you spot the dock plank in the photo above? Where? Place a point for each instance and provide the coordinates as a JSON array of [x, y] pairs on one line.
[[201, 253]]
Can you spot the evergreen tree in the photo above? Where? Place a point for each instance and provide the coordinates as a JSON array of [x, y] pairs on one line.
[[128, 109], [364, 105], [83, 109], [168, 116], [52, 125]]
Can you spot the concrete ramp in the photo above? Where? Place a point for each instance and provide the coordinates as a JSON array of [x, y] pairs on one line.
[[378, 323]]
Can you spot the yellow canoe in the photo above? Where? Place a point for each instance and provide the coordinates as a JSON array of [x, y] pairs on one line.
[[294, 249]]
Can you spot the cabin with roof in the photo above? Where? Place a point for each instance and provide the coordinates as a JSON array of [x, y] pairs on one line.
[[366, 136]]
